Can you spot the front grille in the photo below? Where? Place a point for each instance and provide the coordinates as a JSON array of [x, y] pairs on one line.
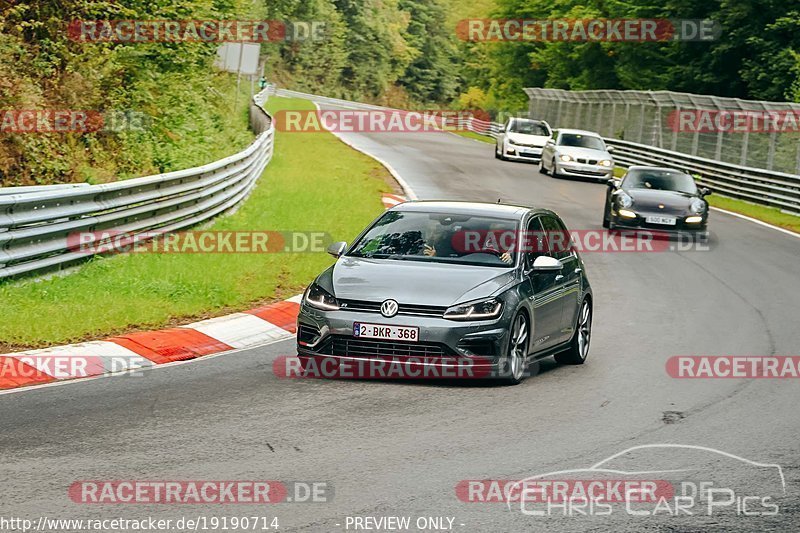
[[586, 172], [530, 156], [345, 346], [364, 306], [587, 161], [527, 145], [484, 347], [307, 334]]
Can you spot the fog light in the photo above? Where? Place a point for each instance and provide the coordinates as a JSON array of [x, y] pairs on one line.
[[627, 214], [694, 220]]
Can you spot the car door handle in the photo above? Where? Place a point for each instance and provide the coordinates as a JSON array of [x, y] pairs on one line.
[[578, 270], [559, 277]]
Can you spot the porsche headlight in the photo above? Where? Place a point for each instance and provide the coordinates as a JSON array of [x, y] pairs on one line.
[[565, 157], [318, 297], [698, 206], [624, 199], [484, 310]]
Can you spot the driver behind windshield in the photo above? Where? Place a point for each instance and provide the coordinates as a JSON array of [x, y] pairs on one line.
[[441, 239]]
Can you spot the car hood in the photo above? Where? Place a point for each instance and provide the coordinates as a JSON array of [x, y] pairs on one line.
[[522, 138], [413, 282], [587, 153], [649, 200]]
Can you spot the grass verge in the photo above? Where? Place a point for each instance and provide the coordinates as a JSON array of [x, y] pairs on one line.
[[476, 136], [314, 183], [766, 214]]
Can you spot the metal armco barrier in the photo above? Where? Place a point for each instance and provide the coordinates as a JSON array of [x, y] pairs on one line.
[[35, 223]]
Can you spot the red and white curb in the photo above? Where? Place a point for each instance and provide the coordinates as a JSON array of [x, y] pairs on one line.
[[391, 200], [143, 349]]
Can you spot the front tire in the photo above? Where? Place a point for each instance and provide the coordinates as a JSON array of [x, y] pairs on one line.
[[516, 362], [553, 172], [542, 169], [579, 344]]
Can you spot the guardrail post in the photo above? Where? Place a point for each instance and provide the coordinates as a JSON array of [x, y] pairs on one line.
[[798, 158], [771, 153], [745, 142]]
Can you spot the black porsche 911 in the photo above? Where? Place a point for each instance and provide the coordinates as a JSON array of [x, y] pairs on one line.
[[658, 199]]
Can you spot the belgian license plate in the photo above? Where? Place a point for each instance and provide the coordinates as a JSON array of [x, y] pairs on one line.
[[668, 221], [382, 331]]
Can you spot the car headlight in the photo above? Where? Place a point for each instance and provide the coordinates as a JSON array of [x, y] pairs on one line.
[[318, 297], [698, 206], [485, 310], [624, 199], [605, 163], [565, 157]]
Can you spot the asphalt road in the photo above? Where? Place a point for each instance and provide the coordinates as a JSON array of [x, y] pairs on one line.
[[400, 448]]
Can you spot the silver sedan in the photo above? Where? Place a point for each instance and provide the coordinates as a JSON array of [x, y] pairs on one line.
[[577, 153]]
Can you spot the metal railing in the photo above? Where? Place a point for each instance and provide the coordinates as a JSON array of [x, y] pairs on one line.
[[38, 225], [711, 127]]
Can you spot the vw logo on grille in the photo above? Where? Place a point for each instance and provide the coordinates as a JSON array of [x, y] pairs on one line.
[[389, 308]]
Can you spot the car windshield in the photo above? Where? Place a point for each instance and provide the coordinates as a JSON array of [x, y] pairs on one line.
[[440, 238], [659, 180], [581, 141], [528, 127]]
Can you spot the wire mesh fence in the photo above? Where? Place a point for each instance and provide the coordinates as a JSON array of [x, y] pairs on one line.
[[749, 133]]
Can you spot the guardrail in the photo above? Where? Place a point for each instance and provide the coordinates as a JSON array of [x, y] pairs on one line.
[[36, 223]]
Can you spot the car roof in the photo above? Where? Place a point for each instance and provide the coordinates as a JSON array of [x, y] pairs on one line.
[[526, 119], [468, 208], [646, 167], [580, 132]]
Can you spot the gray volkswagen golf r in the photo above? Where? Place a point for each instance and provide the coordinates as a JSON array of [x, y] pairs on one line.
[[441, 284]]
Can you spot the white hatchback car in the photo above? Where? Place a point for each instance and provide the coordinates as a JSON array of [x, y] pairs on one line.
[[522, 139], [577, 153]]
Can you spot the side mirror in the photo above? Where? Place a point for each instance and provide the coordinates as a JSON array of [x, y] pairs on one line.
[[613, 182], [705, 191], [550, 142], [545, 263], [610, 149], [337, 249]]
